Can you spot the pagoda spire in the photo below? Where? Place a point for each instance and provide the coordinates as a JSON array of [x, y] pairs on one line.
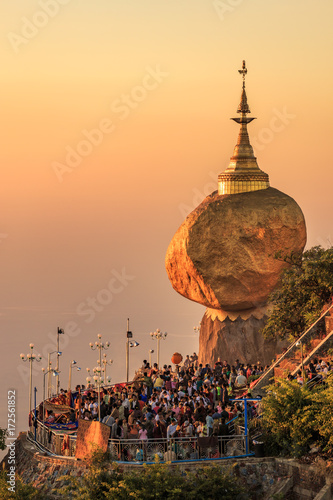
[[243, 173]]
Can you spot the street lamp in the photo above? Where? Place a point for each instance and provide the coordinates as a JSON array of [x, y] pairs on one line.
[[106, 363], [47, 372], [97, 379], [151, 351], [197, 328], [59, 332], [49, 388], [129, 343], [158, 335], [71, 364], [299, 343], [100, 346], [31, 357]]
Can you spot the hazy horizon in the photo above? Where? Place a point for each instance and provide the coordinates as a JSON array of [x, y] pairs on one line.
[[85, 211]]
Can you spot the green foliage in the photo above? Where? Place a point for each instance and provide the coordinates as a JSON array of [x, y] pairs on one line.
[[95, 484], [3, 436], [155, 482], [22, 491], [294, 417], [306, 286]]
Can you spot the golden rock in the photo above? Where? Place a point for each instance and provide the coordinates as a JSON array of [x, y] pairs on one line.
[[222, 256]]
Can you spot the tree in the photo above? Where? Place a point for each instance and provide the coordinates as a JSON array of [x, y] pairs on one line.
[[306, 286], [294, 417]]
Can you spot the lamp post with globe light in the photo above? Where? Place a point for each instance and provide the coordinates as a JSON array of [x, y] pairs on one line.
[[97, 383], [71, 364], [49, 385], [151, 351], [158, 335], [299, 343], [197, 328], [100, 346], [60, 331], [47, 372], [31, 357], [129, 343], [106, 363]]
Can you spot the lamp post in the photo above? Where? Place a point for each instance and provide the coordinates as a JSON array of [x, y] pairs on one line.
[[49, 385], [100, 346], [46, 372], [97, 383], [158, 335], [300, 343], [59, 332], [97, 379], [129, 343], [71, 364], [31, 357], [151, 351], [197, 328], [106, 363]]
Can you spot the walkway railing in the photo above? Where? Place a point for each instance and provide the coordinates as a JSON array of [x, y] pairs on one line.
[[268, 375], [177, 449], [152, 450]]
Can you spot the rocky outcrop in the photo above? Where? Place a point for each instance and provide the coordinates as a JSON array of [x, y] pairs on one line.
[[222, 256], [240, 339]]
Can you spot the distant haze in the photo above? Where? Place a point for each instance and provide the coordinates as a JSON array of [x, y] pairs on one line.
[[115, 124]]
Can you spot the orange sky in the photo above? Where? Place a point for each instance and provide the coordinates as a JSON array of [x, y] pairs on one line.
[[161, 78]]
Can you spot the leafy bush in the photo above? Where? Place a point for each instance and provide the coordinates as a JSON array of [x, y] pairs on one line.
[[22, 491], [294, 417], [154, 482]]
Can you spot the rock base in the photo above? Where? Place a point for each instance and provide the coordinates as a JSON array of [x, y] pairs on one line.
[[236, 338]]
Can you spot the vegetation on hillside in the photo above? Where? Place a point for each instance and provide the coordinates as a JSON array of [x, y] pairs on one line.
[[152, 482], [295, 417], [306, 286], [22, 491], [3, 436]]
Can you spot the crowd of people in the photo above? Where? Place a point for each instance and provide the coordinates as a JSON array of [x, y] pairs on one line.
[[190, 401], [317, 370]]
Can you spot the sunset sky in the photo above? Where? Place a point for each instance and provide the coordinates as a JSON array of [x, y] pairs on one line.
[[160, 80]]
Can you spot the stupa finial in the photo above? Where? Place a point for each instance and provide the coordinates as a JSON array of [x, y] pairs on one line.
[[243, 72], [243, 106], [243, 173]]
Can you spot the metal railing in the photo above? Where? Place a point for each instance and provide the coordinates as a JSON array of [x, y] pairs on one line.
[[176, 449], [268, 375], [150, 450]]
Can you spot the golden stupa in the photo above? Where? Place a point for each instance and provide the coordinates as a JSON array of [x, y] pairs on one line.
[[243, 174]]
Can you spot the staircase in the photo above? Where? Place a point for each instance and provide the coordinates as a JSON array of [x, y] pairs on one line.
[[316, 352], [289, 361]]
